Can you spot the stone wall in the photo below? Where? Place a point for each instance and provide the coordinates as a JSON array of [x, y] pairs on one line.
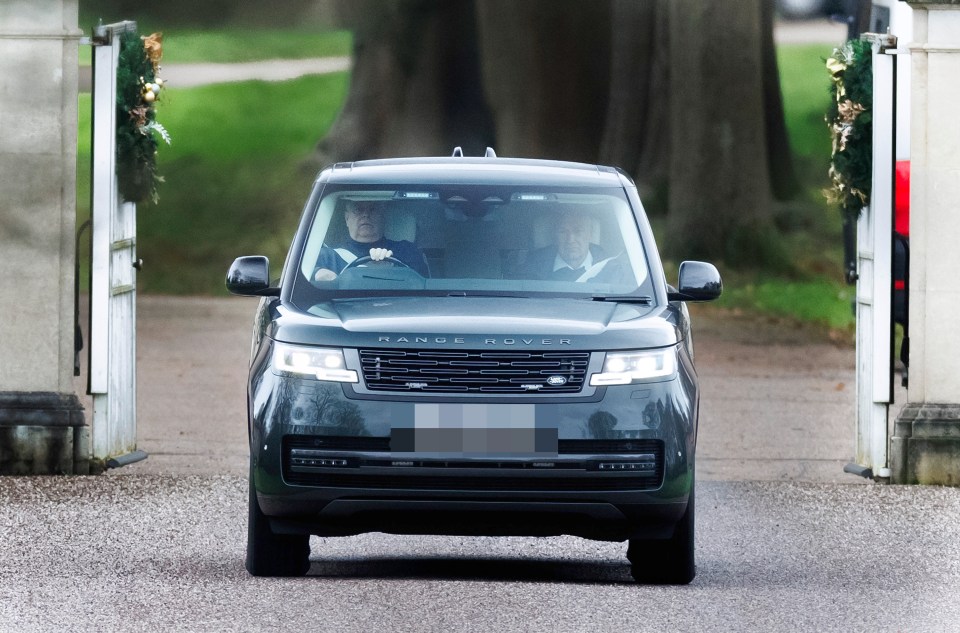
[[925, 447], [41, 418]]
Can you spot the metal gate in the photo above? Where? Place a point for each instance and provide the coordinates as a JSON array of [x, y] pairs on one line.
[[875, 275], [113, 279]]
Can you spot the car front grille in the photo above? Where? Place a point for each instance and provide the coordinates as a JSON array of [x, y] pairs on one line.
[[464, 371], [353, 462]]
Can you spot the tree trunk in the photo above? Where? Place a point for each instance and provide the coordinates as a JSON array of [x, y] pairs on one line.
[[636, 133], [720, 195], [682, 94], [546, 66], [416, 87], [782, 175]]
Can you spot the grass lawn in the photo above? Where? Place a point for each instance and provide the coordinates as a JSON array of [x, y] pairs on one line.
[[234, 182], [233, 178], [805, 85], [816, 292]]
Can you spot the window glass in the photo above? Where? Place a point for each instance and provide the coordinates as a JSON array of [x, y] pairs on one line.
[[471, 239]]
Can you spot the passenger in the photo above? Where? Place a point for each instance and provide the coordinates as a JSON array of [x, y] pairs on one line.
[[570, 257], [365, 223]]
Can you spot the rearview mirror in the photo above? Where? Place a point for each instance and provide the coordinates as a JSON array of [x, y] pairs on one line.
[[699, 281], [250, 276]]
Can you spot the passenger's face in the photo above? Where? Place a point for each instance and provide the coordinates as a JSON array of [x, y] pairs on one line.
[[573, 239], [364, 222]]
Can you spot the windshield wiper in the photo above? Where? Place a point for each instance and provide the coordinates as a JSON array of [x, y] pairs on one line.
[[641, 299], [487, 293]]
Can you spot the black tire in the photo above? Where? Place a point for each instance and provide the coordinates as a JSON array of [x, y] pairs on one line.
[[269, 554], [666, 562]]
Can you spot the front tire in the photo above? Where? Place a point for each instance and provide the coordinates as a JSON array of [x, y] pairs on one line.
[[666, 562], [270, 554]]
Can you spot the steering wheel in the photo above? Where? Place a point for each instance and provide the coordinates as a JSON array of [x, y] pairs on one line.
[[360, 261]]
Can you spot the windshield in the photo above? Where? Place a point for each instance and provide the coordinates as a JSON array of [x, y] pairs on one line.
[[471, 240]]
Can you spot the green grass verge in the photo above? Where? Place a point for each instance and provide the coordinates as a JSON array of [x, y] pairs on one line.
[[234, 184], [816, 292], [822, 301], [805, 86], [817, 299], [244, 45]]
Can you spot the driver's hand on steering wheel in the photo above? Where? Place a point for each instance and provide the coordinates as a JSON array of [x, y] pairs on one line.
[[380, 254], [376, 254]]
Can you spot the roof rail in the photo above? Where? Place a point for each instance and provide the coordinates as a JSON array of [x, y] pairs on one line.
[[458, 152]]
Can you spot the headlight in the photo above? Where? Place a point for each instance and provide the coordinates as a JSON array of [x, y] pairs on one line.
[[622, 368], [320, 362]]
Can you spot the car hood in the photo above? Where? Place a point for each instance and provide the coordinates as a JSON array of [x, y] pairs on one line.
[[477, 322]]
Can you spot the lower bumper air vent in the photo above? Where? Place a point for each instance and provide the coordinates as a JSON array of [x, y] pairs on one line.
[[580, 465]]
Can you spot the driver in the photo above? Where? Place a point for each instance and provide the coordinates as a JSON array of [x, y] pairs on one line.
[[365, 222]]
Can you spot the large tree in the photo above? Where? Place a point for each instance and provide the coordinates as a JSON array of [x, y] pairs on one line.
[[416, 87], [682, 94], [546, 66], [728, 143]]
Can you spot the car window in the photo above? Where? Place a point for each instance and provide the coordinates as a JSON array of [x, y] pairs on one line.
[[472, 239]]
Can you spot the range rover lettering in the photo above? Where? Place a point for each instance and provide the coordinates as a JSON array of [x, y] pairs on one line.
[[473, 346]]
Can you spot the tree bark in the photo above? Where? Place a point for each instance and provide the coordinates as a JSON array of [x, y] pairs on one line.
[[720, 194], [636, 133], [546, 66], [682, 94], [416, 86], [782, 174]]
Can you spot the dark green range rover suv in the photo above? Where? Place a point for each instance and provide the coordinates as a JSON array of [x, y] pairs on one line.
[[473, 346]]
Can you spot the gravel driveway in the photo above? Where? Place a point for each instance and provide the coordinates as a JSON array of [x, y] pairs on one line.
[[785, 540]]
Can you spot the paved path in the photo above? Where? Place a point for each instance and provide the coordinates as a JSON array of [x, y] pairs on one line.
[[192, 75], [815, 31]]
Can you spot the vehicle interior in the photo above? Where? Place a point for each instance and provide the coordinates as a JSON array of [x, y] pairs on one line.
[[473, 242]]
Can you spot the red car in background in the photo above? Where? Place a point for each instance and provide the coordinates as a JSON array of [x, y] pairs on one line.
[[901, 256]]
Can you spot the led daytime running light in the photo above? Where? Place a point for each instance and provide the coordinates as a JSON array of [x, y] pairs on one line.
[[321, 363], [623, 368]]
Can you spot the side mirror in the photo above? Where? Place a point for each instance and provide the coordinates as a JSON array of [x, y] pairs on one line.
[[699, 281], [250, 276]]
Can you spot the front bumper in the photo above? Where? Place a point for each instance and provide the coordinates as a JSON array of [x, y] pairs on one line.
[[618, 466]]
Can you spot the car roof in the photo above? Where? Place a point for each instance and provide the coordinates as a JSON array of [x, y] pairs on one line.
[[475, 170]]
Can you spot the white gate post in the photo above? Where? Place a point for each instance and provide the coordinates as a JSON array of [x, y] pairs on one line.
[[112, 380], [875, 275], [925, 447]]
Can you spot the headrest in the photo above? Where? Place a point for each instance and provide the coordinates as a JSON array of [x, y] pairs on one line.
[[400, 225], [545, 230]]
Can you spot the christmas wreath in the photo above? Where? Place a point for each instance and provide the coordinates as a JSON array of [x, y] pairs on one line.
[[850, 120], [138, 88]]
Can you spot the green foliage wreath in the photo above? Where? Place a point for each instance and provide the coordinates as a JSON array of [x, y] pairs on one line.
[[850, 119], [138, 88]]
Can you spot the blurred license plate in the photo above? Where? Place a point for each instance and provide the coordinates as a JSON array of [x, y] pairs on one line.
[[476, 430]]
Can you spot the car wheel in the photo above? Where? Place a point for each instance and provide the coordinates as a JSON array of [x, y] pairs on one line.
[[269, 554], [666, 562]]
